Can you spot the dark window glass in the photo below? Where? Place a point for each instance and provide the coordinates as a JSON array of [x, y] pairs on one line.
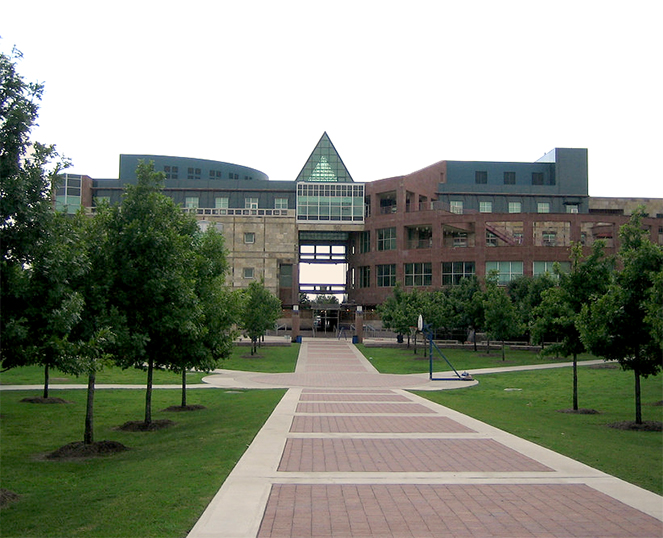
[[480, 177], [509, 178], [537, 178]]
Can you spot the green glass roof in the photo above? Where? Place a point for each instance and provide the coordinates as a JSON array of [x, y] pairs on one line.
[[325, 165]]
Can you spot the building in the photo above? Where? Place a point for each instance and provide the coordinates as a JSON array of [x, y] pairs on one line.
[[426, 229]]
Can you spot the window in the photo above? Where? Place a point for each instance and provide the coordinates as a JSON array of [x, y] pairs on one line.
[[454, 272], [509, 178], [549, 239], [540, 268], [485, 207], [249, 238], [171, 172], [365, 242], [221, 202], [365, 277], [285, 276], [281, 203], [543, 207], [456, 206], [386, 239], [191, 202], [491, 239], [481, 177], [537, 178], [248, 272], [460, 240], [193, 173], [250, 203], [506, 271], [572, 208], [515, 207], [418, 274], [386, 275]]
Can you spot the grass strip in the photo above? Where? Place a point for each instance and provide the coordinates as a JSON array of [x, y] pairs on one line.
[[527, 404], [158, 488], [390, 360], [269, 359]]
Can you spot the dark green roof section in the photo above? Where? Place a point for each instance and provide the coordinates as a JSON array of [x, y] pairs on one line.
[[325, 165]]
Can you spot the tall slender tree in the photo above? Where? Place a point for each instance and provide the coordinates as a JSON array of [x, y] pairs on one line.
[[558, 313], [619, 325], [259, 311]]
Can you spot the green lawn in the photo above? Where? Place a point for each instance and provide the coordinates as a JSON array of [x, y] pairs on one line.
[[532, 413], [271, 359], [158, 488], [268, 359], [404, 361]]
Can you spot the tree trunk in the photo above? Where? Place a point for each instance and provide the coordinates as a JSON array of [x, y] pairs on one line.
[[148, 392], [46, 381], [474, 338], [487, 346], [184, 387], [638, 403], [88, 436], [503, 350], [575, 381]]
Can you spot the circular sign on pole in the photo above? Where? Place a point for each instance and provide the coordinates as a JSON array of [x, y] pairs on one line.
[[420, 323]]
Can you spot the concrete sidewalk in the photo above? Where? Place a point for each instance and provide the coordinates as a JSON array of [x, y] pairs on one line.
[[347, 452]]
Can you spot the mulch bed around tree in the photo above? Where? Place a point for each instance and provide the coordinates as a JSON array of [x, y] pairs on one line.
[[581, 411], [176, 408], [646, 426], [79, 449], [7, 497], [141, 426], [42, 400]]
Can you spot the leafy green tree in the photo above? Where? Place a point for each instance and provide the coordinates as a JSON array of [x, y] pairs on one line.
[[219, 306], [527, 293], [54, 304], [401, 311], [27, 173], [558, 313], [618, 325], [260, 310], [467, 308], [501, 316], [150, 251]]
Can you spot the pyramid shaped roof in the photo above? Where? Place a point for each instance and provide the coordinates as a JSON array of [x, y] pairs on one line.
[[325, 164]]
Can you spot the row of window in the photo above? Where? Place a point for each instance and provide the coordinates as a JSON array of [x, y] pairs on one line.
[[538, 178], [173, 172], [386, 239], [421, 274], [221, 202], [456, 206]]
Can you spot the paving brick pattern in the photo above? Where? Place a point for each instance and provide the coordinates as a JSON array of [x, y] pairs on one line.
[[419, 472], [353, 398], [467, 511], [322, 407], [403, 455], [368, 424]]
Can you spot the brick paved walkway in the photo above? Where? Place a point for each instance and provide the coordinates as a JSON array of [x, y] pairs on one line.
[[367, 461]]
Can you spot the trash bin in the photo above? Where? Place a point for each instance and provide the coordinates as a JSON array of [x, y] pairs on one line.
[[298, 339], [355, 339]]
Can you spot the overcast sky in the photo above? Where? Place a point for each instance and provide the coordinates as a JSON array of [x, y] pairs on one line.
[[397, 85]]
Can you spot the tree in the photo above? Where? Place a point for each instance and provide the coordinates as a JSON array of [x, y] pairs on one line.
[[527, 293], [558, 313], [467, 309], [260, 310], [151, 260], [54, 304], [619, 325], [27, 173], [219, 308], [401, 311], [502, 320]]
